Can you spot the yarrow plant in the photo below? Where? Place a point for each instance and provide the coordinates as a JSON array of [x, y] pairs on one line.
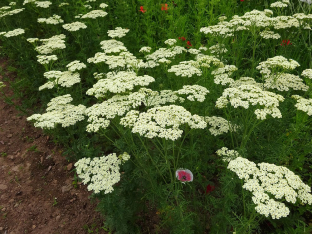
[[101, 173], [265, 180]]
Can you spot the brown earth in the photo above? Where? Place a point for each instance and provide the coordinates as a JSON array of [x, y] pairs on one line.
[[37, 193]]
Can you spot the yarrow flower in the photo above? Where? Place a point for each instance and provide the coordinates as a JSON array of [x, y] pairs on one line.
[[303, 104], [43, 4], [101, 173], [75, 26], [14, 32], [219, 125], [170, 42], [246, 95], [64, 79], [55, 19], [163, 122], [267, 183], [75, 66], [184, 175], [94, 14], [145, 49], [59, 111], [118, 32], [51, 44], [45, 59]]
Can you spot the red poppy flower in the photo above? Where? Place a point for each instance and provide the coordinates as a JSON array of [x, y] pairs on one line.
[[184, 175], [210, 188], [189, 44], [241, 0], [142, 9], [164, 7], [182, 38], [285, 42]]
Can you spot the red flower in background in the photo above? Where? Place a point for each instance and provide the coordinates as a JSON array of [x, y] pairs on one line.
[[189, 44], [142, 9], [241, 0], [285, 42], [164, 7], [210, 188], [182, 38]]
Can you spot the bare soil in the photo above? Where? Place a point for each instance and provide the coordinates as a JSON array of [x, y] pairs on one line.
[[37, 193]]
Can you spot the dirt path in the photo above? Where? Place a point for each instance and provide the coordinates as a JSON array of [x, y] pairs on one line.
[[37, 194]]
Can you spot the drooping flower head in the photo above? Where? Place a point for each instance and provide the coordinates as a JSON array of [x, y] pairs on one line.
[[184, 175]]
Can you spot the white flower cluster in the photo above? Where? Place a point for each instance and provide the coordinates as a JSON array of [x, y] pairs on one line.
[[49, 45], [245, 81], [64, 79], [119, 83], [43, 4], [64, 4], [193, 51], [4, 11], [194, 92], [59, 111], [307, 73], [257, 21], [205, 61], [28, 1], [2, 85], [87, 6], [267, 34], [14, 33], [278, 4], [269, 179], [99, 114], [103, 5], [112, 46], [277, 64], [222, 74], [100, 173], [226, 154], [185, 68], [118, 32], [94, 14], [246, 95], [283, 81], [123, 60], [46, 59], [170, 42], [75, 66], [55, 19], [303, 104], [219, 125], [218, 49], [285, 22], [32, 40], [307, 1], [75, 26], [165, 53], [218, 30], [145, 49], [163, 122]]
